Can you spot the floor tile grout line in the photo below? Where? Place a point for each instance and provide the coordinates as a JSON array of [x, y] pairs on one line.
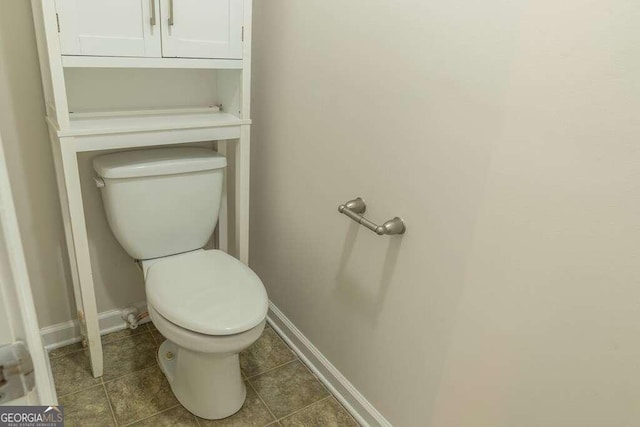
[[303, 408], [263, 402], [313, 374], [328, 391], [271, 369], [137, 334], [154, 337], [298, 410], [151, 416], [65, 354], [283, 341], [109, 399], [78, 391], [103, 343], [157, 356], [127, 374], [324, 398], [106, 393]]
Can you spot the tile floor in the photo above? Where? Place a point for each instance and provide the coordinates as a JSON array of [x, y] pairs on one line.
[[281, 391]]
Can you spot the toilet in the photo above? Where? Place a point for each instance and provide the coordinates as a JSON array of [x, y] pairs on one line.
[[162, 205]]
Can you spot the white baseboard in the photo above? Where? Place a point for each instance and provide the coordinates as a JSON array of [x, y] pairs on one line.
[[363, 411], [66, 333]]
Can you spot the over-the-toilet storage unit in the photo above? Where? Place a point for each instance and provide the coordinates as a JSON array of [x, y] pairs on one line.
[[120, 74]]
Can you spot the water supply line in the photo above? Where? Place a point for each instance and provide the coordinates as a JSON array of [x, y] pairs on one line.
[[132, 316]]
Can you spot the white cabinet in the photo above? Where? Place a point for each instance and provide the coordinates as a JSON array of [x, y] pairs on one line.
[[108, 28], [202, 28], [151, 28], [117, 74]]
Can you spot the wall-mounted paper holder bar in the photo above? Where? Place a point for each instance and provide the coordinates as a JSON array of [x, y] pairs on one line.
[[355, 209]]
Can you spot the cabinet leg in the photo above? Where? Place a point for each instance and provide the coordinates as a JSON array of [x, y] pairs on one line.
[[223, 220], [242, 174], [81, 251], [66, 219]]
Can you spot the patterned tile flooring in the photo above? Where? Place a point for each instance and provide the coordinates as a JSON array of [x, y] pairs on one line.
[[281, 391]]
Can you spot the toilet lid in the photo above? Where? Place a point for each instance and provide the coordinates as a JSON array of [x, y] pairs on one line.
[[208, 292]]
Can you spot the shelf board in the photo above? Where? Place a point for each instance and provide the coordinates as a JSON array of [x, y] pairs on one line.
[[72, 61], [106, 123]]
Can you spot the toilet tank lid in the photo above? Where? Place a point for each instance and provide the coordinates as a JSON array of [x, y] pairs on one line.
[[157, 161]]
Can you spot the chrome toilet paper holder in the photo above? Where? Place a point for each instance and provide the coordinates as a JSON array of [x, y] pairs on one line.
[[355, 210]]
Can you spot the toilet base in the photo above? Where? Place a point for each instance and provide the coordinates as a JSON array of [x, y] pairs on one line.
[[208, 385], [204, 370]]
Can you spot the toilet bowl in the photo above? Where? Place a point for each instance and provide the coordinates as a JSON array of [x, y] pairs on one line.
[[208, 382], [162, 205]]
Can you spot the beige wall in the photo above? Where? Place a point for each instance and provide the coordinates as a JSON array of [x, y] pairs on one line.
[[30, 164], [506, 135], [118, 281]]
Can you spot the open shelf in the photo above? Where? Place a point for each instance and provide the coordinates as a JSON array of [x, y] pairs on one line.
[[70, 61], [105, 123]]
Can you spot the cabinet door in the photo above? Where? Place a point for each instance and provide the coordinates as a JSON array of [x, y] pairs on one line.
[[202, 28], [109, 27]]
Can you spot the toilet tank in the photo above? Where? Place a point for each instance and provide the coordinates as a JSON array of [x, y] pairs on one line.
[[161, 201]]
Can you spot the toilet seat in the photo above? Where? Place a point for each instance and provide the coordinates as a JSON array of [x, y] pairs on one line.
[[198, 342], [208, 292]]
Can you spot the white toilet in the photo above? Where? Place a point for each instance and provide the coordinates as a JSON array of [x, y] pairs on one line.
[[162, 205]]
